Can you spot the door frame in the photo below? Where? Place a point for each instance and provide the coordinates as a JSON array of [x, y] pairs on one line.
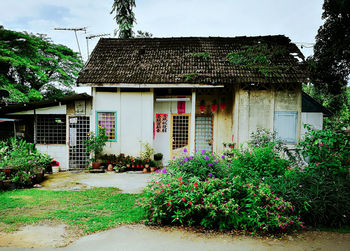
[[171, 130]]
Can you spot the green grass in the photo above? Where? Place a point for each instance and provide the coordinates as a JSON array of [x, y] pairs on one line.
[[91, 210]]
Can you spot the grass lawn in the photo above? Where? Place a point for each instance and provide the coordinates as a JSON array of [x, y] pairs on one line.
[[91, 210]]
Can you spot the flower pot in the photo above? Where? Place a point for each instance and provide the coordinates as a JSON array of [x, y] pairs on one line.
[[127, 165], [95, 165], [110, 167], [55, 169], [231, 146], [144, 170], [153, 169]]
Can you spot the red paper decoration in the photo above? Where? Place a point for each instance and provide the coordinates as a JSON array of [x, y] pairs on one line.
[[214, 106], [202, 106]]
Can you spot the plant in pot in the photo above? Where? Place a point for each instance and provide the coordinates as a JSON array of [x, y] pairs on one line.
[[231, 145], [158, 158], [153, 165], [94, 145]]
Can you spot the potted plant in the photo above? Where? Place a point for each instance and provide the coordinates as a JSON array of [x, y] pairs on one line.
[[158, 158], [231, 145], [224, 144], [153, 165], [94, 145]]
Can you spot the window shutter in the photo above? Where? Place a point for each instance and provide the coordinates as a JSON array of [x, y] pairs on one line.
[[285, 125]]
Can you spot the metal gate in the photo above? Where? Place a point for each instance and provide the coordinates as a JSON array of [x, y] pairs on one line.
[[79, 128], [204, 132], [180, 134]]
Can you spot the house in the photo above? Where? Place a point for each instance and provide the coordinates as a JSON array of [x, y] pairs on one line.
[[194, 92], [57, 127]]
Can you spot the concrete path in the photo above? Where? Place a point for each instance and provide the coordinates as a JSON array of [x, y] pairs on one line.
[[128, 182], [140, 237]]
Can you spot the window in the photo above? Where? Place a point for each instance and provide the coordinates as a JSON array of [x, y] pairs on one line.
[[51, 129], [107, 120], [285, 125]]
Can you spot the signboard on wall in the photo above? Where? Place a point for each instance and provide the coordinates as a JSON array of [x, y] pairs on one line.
[[72, 136]]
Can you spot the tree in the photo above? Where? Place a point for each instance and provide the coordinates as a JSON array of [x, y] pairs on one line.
[[32, 67], [124, 17], [330, 64]]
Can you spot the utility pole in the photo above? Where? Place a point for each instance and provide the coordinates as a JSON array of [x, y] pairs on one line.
[[91, 37], [76, 37]]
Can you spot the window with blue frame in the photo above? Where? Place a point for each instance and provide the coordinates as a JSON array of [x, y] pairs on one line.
[[107, 120], [285, 125]]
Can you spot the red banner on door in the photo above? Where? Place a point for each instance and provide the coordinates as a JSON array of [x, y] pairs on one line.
[[181, 106]]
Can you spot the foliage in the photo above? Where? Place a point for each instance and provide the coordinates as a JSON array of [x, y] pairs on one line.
[[124, 16], [217, 204], [258, 56], [330, 64], [158, 156], [190, 76], [326, 149], [147, 152], [32, 67], [92, 210], [320, 197], [94, 145], [201, 165], [24, 160], [202, 55], [259, 162], [143, 34]]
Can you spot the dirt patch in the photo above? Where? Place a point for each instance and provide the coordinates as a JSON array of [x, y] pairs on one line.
[[38, 236], [128, 182]]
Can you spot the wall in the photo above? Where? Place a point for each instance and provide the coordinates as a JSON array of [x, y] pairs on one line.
[[57, 152], [255, 109], [134, 119], [312, 118]]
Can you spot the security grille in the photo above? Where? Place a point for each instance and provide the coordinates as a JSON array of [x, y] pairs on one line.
[[79, 127], [51, 129], [180, 133], [204, 133]]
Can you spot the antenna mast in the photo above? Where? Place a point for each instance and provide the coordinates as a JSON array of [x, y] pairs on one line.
[[91, 37], [75, 32]]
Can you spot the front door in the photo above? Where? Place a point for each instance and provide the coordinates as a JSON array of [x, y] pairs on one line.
[[180, 134], [204, 133], [79, 127]]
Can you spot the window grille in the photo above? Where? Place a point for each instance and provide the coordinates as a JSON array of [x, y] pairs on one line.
[[204, 133], [107, 120], [51, 129]]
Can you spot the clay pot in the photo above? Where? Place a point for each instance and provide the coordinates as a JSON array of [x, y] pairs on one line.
[[95, 165], [110, 167], [144, 170], [153, 169]]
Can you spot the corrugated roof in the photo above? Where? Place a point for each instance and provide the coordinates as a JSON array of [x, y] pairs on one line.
[[170, 60]]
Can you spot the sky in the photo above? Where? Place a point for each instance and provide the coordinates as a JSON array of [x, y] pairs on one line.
[[297, 19]]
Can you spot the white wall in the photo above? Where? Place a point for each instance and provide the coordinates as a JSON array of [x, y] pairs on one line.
[[57, 152], [315, 119], [134, 119]]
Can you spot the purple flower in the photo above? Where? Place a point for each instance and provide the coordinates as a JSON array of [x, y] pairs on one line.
[[229, 166], [185, 150], [210, 174], [210, 164], [158, 171], [206, 158], [223, 156], [185, 159], [173, 157], [195, 150], [203, 151], [216, 162], [164, 170], [191, 157], [181, 163]]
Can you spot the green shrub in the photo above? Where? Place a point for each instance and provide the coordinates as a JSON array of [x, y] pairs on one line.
[[320, 197], [326, 149], [258, 161], [217, 204]]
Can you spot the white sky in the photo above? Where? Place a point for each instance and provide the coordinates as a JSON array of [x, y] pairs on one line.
[[297, 19]]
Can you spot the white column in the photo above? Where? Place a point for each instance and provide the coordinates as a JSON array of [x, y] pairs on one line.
[[193, 121]]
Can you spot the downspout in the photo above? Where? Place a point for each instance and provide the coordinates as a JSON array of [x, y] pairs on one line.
[[35, 127]]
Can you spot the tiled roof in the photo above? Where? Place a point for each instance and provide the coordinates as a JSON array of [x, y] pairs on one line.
[[170, 60]]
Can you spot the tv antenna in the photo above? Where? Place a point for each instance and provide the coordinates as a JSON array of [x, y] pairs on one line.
[[75, 32], [91, 37]]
